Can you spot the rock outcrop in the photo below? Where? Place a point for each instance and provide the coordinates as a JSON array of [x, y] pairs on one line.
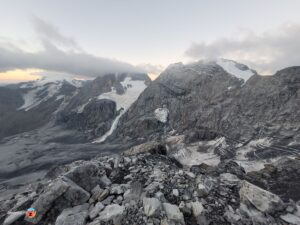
[[149, 188]]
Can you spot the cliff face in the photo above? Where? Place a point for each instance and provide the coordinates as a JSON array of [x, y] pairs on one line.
[[205, 96]]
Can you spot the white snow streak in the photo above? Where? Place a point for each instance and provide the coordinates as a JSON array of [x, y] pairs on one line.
[[133, 89]]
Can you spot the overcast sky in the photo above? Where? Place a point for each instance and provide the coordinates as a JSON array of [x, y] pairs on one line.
[[94, 37]]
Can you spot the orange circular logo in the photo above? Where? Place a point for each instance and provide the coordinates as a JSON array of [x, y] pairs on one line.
[[31, 213]]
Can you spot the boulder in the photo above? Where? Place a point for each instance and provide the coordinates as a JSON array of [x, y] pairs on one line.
[[46, 199], [95, 211], [152, 206], [263, 200], [291, 219], [173, 213], [13, 217], [86, 176], [197, 208], [75, 216], [111, 212], [75, 194], [202, 190]]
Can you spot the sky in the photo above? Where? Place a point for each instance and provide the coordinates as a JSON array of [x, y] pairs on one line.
[[94, 37]]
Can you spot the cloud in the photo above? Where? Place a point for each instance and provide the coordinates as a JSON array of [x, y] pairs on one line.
[[151, 68], [266, 52], [47, 32], [60, 53]]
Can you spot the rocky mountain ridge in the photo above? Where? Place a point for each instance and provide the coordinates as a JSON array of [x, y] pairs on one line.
[[206, 143], [205, 96], [150, 187]]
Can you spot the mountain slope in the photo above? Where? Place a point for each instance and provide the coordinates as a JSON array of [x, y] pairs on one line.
[[205, 96]]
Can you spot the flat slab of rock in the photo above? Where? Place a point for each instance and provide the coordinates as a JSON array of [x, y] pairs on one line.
[[263, 200], [111, 212], [75, 216], [291, 219]]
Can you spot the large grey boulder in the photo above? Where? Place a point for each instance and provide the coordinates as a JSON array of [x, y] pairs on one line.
[[173, 213], [87, 175], [263, 200], [75, 194], [152, 206], [46, 200], [111, 212], [95, 211], [73, 216]]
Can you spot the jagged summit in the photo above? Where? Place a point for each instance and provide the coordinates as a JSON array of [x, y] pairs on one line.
[[202, 67]]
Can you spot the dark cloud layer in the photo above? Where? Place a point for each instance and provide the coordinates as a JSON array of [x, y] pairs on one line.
[[60, 53], [266, 52]]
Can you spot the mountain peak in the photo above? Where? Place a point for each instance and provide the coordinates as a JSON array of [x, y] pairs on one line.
[[238, 70]]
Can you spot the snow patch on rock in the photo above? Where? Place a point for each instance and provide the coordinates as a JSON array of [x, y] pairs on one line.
[[231, 68], [39, 94], [133, 89], [161, 114]]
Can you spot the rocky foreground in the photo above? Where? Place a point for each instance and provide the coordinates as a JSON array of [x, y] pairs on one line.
[[153, 188]]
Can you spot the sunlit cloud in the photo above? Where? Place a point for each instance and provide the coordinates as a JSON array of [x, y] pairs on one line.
[[59, 53], [16, 76], [152, 70]]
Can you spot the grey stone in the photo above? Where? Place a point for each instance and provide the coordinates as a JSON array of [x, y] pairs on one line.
[[197, 208], [87, 175], [45, 200], [152, 206], [229, 179], [175, 192], [102, 196], [111, 212], [202, 190], [73, 216], [95, 211], [173, 213], [13, 217], [105, 181], [263, 200], [75, 194]]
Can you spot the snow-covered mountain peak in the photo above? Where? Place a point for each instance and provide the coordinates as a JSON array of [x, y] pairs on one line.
[[52, 80], [238, 70], [43, 89]]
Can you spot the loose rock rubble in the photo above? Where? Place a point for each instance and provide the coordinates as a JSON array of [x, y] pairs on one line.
[[149, 188]]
